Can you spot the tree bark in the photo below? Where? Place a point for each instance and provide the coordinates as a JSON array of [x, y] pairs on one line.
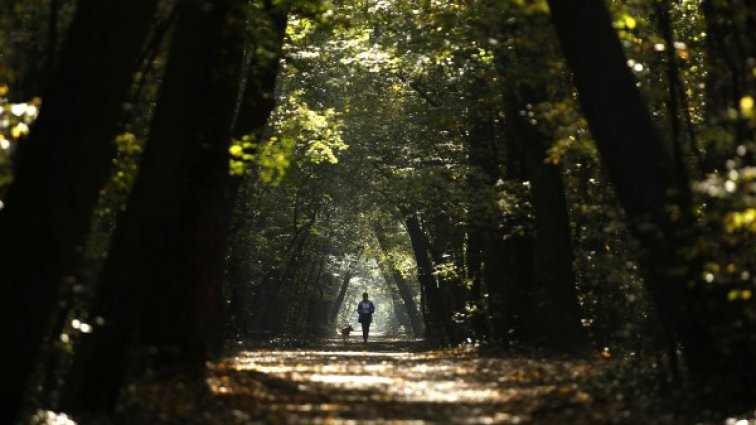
[[59, 171], [400, 312], [658, 213], [555, 303], [166, 243], [441, 325], [256, 103], [677, 106], [728, 74], [404, 289], [483, 260], [340, 298], [508, 261]]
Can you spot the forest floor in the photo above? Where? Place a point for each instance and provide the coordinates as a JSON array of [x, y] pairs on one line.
[[397, 381]]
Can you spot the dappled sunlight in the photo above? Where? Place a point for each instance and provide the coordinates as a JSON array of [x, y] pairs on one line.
[[386, 383], [253, 212], [375, 385], [48, 417], [352, 381]]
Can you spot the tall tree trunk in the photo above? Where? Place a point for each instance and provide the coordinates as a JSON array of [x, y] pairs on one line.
[[659, 215], [400, 313], [508, 261], [556, 309], [439, 318], [166, 243], [483, 235], [446, 247], [677, 105], [262, 54], [728, 73], [257, 101], [260, 302], [404, 289], [239, 292], [52, 39], [673, 86], [59, 171], [340, 297]]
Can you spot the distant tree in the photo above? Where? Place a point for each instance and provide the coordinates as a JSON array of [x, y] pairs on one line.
[[336, 306], [395, 276]]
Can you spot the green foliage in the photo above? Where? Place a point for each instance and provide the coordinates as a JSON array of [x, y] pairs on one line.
[[300, 135], [15, 121], [379, 107]]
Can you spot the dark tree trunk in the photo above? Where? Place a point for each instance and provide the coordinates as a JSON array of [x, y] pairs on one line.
[[473, 263], [446, 245], [508, 262], [727, 73], [439, 319], [408, 300], [677, 104], [255, 105], [258, 98], [52, 39], [59, 171], [340, 298], [167, 240], [658, 213], [264, 293], [404, 289], [251, 115], [555, 303], [239, 293], [483, 235], [400, 313], [673, 86]]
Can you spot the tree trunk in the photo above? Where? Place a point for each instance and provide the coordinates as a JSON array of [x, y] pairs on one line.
[[441, 325], [446, 246], [659, 216], [340, 298], [266, 32], [556, 309], [59, 171], [400, 313], [727, 75], [508, 262], [404, 289], [166, 243], [677, 104], [483, 259]]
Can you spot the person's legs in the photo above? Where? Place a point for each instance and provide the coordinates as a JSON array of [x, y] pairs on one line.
[[365, 330]]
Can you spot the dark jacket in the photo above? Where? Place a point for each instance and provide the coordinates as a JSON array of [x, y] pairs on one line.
[[365, 309]]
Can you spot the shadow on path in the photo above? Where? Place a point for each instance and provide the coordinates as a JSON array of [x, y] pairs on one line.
[[386, 381], [394, 381]]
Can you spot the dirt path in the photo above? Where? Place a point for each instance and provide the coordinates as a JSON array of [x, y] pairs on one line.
[[381, 383], [387, 381]]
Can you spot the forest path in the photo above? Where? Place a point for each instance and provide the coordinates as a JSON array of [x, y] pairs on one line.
[[389, 381], [386, 381]]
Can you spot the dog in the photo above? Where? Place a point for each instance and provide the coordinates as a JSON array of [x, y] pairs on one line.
[[345, 332]]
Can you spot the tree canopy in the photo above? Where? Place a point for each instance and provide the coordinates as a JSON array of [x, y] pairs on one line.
[[178, 176]]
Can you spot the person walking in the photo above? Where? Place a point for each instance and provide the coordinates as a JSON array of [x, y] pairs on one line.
[[365, 309]]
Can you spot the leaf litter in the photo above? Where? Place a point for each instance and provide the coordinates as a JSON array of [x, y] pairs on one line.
[[394, 381]]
